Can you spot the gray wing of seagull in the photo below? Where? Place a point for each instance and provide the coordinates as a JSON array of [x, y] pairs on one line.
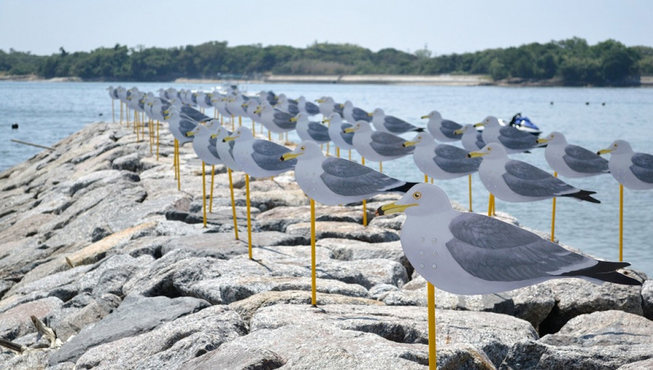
[[311, 108], [360, 115], [397, 125], [348, 178], [454, 160], [282, 119], [318, 131], [480, 143], [447, 127], [338, 109], [389, 145], [267, 155], [513, 138], [293, 109], [528, 180], [642, 167], [212, 147], [497, 251], [582, 160], [194, 114], [347, 137], [186, 126]]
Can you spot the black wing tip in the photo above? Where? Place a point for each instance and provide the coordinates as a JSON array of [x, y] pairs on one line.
[[419, 129], [585, 195], [403, 188], [606, 271]]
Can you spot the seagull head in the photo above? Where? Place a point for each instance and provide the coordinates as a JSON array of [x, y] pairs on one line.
[[489, 121], [360, 126], [433, 115], [306, 149], [491, 150], [421, 139], [617, 147], [421, 199], [553, 138]]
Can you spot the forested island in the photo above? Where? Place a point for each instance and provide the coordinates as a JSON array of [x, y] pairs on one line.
[[571, 62]]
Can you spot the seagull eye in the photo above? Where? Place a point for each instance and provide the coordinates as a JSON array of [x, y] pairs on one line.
[[417, 195], [489, 148], [302, 148]]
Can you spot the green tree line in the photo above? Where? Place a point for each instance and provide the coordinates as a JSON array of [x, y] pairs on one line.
[[567, 62]]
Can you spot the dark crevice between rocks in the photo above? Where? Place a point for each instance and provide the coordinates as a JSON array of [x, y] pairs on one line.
[[553, 322], [393, 332], [164, 288], [414, 357]]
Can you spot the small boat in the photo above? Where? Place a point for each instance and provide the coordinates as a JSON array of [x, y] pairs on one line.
[[522, 123]]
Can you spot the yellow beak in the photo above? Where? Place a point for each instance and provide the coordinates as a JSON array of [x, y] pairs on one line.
[[326, 120], [480, 124], [475, 154], [290, 155], [349, 130], [214, 136], [190, 134], [390, 208], [370, 114], [425, 116], [229, 138], [604, 151], [406, 144], [319, 100], [293, 119], [542, 141], [458, 132]]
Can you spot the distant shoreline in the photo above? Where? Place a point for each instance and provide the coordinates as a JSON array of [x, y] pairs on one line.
[[426, 80]]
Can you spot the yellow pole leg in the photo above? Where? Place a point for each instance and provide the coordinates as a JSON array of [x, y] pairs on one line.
[[553, 213], [121, 112], [157, 140], [113, 111], [253, 128], [469, 180], [431, 323], [381, 167], [621, 222], [240, 121], [233, 203], [249, 217], [338, 152], [211, 196], [426, 178], [313, 275], [490, 206], [178, 168], [204, 193], [269, 136]]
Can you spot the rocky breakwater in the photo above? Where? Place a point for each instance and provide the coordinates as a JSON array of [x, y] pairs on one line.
[[97, 243]]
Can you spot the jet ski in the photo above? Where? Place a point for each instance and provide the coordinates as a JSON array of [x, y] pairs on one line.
[[522, 123]]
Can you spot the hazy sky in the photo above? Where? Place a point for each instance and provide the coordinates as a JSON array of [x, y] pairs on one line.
[[450, 26]]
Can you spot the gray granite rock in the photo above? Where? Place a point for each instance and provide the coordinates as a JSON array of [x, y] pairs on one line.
[[135, 315], [647, 299], [344, 230], [599, 340], [16, 322], [170, 345]]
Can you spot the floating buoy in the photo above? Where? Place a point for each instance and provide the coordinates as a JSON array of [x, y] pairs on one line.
[[14, 126]]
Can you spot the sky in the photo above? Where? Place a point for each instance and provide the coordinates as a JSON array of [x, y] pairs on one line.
[[444, 27]]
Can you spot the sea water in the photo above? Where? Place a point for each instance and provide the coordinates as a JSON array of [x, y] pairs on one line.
[[590, 117]]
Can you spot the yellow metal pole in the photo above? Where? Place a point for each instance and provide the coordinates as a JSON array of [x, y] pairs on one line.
[[178, 168], [426, 178], [364, 201], [490, 206], [621, 222], [240, 121], [211, 196], [233, 124], [249, 217], [113, 111], [253, 128], [338, 152], [204, 193], [233, 203], [469, 180], [381, 166], [157, 139], [313, 278], [553, 213], [431, 314]]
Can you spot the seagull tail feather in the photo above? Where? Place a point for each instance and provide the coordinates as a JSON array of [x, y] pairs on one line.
[[605, 271], [585, 195], [402, 188]]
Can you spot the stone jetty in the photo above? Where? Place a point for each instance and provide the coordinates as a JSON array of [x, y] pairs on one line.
[[105, 264]]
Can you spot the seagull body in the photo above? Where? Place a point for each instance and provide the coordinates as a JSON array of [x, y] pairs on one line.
[[204, 143], [180, 127], [276, 120], [226, 149], [391, 124], [337, 134], [441, 161], [571, 160], [257, 157], [469, 253], [632, 170], [472, 139], [377, 146], [443, 130], [310, 130], [517, 181], [307, 107], [514, 140], [354, 114], [335, 181]]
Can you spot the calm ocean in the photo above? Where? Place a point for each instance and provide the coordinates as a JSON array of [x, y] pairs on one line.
[[48, 112]]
